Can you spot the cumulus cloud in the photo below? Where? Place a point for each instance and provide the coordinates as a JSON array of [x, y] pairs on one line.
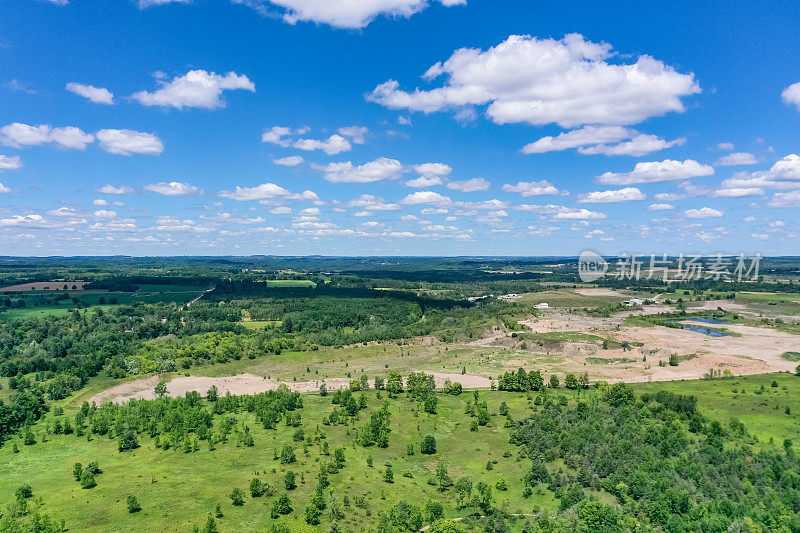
[[424, 181], [640, 144], [290, 161], [10, 163], [22, 135], [737, 158], [144, 4], [560, 212], [425, 197], [791, 95], [738, 192], [265, 191], [627, 194], [276, 135], [369, 202], [172, 188], [196, 88], [785, 199], [655, 171], [703, 212], [4, 189], [98, 95], [356, 133], [380, 169], [660, 207], [606, 140], [532, 188], [333, 145], [128, 142], [784, 174], [570, 82], [433, 169], [111, 189], [22, 220], [353, 14], [471, 185]]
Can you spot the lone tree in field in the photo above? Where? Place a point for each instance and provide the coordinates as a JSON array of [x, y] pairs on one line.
[[428, 445], [237, 496], [133, 504]]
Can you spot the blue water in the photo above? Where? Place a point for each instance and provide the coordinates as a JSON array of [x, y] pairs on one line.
[[700, 329]]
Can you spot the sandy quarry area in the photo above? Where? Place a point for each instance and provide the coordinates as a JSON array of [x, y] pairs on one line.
[[753, 350], [144, 389]]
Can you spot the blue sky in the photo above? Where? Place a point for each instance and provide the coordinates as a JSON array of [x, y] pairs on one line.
[[398, 127]]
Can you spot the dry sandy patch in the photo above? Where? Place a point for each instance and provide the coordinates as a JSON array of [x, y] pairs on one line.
[[144, 389]]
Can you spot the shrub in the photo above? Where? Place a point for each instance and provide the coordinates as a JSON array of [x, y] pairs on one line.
[[428, 445], [133, 504]]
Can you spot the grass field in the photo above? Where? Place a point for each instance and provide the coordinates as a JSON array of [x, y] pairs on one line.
[[562, 298], [762, 411], [200, 480], [179, 294]]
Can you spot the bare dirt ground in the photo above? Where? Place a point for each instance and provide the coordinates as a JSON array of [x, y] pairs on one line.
[[144, 389], [753, 350], [600, 292]]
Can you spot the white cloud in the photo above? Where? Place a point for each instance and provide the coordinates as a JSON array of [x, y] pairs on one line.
[[726, 147], [281, 210], [172, 188], [100, 201], [660, 207], [739, 192], [569, 82], [355, 133], [703, 212], [791, 95], [4, 189], [423, 181], [110, 189], [276, 135], [103, 213], [578, 214], [21, 135], [10, 163], [143, 4], [369, 202], [784, 174], [98, 95], [560, 212], [196, 88], [655, 171], [265, 191], [532, 188], [627, 194], [377, 170], [425, 197], [433, 169], [785, 199], [587, 135], [641, 144], [290, 161], [471, 185], [333, 145], [353, 14], [128, 142], [22, 220], [737, 158]]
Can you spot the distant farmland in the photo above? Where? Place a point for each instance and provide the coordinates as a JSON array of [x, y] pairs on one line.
[[46, 286]]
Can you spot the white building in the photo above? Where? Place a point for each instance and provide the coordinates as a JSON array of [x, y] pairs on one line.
[[543, 305]]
